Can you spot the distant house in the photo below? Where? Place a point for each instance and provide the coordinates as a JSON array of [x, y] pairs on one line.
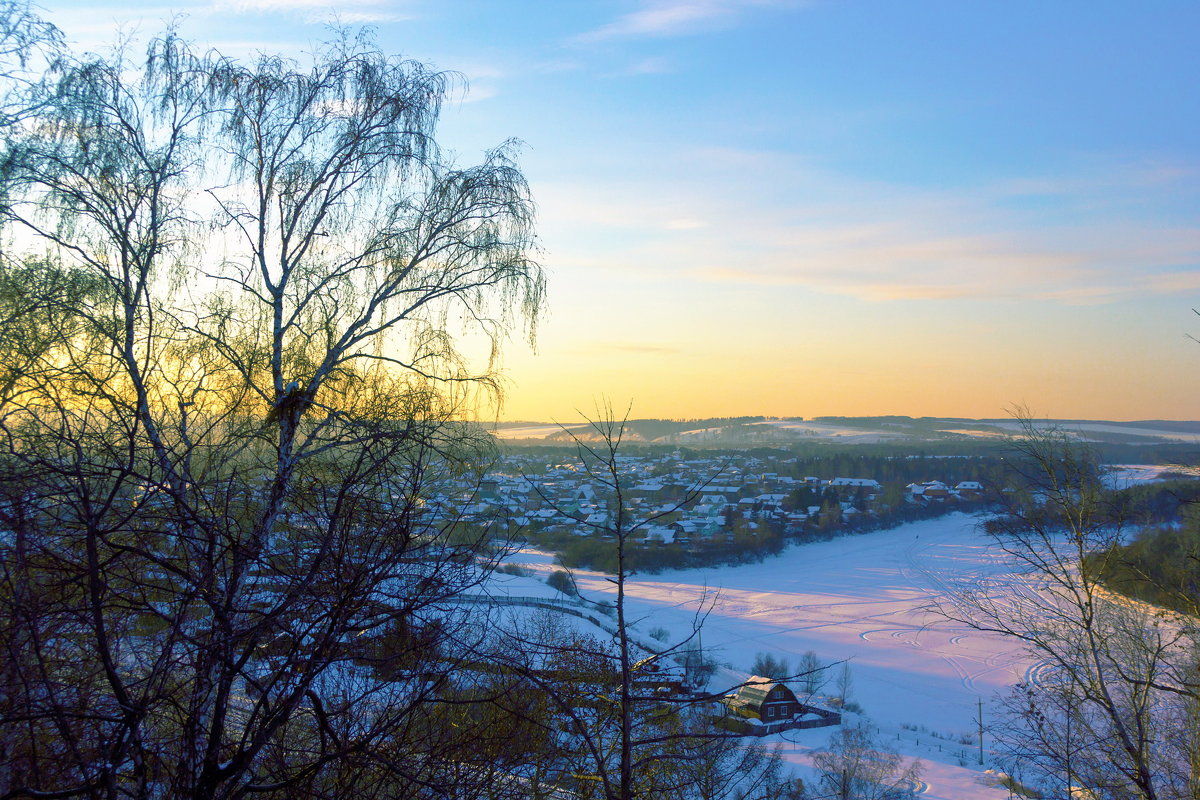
[[969, 490], [654, 676], [763, 705], [660, 534], [929, 490], [869, 484], [764, 699], [650, 490]]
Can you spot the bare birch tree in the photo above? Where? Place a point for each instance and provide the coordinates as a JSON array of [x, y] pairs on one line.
[[1111, 705], [232, 399]]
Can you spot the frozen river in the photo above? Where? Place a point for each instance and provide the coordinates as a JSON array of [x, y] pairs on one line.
[[866, 600]]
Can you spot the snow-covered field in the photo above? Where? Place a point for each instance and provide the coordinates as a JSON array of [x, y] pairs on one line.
[[817, 430], [1133, 428], [826, 430], [1122, 476], [527, 432], [864, 599]]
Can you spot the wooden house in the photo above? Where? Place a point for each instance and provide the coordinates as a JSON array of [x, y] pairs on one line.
[[764, 705], [764, 699]]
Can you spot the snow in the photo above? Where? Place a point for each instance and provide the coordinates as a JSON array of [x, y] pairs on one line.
[[1123, 476], [529, 557], [828, 430], [1130, 428], [503, 587], [865, 600], [527, 432]]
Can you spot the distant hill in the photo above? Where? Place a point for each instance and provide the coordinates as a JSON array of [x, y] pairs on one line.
[[783, 431]]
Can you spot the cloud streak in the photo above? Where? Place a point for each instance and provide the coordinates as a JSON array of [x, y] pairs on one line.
[[351, 12], [770, 222], [1075, 267], [662, 18], [632, 348]]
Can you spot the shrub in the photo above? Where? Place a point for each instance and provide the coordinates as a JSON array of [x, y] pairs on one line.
[[563, 582]]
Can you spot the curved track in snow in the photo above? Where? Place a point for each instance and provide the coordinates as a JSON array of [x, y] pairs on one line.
[[868, 601]]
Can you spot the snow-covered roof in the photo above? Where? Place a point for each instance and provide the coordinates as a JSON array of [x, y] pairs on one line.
[[866, 483]]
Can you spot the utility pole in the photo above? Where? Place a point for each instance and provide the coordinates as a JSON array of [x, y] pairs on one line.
[[980, 720]]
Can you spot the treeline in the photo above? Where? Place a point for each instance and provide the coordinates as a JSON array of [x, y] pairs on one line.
[[1164, 501], [737, 543], [892, 468], [1161, 566], [884, 517], [744, 547], [651, 429], [1162, 563]]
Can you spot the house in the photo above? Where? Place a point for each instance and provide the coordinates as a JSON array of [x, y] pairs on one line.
[[870, 485], [764, 699], [763, 705], [660, 534], [969, 490], [929, 490], [657, 677]]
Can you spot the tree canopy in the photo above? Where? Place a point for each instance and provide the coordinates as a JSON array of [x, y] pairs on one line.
[[232, 417]]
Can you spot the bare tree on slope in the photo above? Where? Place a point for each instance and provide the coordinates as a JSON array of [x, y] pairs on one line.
[[1112, 707], [232, 423]]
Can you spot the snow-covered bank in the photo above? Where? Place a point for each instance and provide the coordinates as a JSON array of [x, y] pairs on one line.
[[866, 599]]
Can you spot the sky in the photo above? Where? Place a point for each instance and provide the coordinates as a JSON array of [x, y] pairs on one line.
[[816, 207]]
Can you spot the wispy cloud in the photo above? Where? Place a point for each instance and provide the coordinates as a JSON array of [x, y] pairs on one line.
[[261, 6], [103, 20], [677, 17], [632, 348], [898, 264], [685, 224], [650, 66], [351, 12], [479, 81], [775, 221], [476, 92], [915, 259], [98, 27]]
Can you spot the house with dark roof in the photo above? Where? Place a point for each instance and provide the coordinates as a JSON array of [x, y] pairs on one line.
[[764, 705], [764, 699]]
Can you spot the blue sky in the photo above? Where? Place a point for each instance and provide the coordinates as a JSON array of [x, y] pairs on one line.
[[822, 207]]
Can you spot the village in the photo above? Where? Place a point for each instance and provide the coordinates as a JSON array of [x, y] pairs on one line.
[[698, 498]]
